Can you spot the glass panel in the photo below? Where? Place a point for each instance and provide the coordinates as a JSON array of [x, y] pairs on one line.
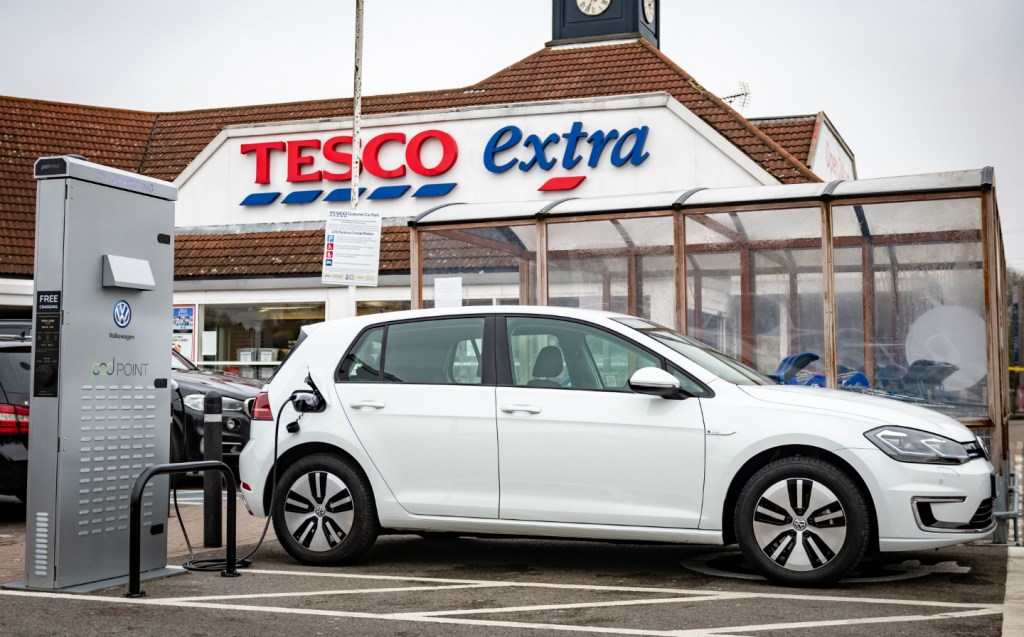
[[567, 355], [379, 307], [910, 303], [755, 289], [255, 338], [443, 351], [619, 265], [497, 266], [362, 364]]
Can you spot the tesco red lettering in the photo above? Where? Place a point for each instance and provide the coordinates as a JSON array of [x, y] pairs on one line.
[[296, 160], [302, 163]]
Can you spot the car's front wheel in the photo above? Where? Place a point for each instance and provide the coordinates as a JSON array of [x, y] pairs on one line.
[[802, 522], [324, 511]]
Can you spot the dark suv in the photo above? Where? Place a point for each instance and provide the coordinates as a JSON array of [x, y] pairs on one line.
[[187, 427], [15, 357]]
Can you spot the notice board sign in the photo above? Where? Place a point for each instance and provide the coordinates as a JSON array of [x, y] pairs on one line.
[[351, 248], [184, 330]]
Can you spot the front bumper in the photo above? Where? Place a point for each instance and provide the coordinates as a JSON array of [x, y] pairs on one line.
[[919, 506]]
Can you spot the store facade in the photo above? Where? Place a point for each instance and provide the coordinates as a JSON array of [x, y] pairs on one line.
[[283, 177], [626, 186]]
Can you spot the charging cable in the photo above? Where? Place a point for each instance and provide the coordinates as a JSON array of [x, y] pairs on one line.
[[220, 564]]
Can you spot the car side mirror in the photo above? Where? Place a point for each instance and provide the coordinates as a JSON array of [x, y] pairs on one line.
[[657, 382]]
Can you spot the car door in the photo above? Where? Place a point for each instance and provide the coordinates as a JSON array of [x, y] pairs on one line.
[[576, 445], [420, 396]]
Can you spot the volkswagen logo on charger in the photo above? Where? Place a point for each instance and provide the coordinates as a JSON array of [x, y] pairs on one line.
[[122, 314]]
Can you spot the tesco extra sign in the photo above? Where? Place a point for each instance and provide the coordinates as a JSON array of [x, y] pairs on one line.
[[397, 156]]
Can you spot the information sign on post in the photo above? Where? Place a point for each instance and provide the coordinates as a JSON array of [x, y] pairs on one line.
[[351, 248]]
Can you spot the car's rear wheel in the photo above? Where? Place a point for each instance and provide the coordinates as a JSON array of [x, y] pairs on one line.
[[802, 522], [324, 511]]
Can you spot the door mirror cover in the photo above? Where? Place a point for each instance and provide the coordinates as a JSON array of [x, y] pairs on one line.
[[656, 382]]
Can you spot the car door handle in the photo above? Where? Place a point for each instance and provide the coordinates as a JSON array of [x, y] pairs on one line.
[[511, 409], [367, 404]]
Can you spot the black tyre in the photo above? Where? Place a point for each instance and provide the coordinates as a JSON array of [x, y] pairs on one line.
[[324, 511], [177, 444], [177, 453], [802, 522]]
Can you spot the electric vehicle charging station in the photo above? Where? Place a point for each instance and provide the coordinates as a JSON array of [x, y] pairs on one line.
[[100, 398]]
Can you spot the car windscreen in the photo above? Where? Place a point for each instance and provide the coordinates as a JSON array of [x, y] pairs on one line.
[[180, 363], [726, 368], [15, 368]]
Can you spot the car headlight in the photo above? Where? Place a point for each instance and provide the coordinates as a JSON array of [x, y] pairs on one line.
[[195, 401], [912, 445]]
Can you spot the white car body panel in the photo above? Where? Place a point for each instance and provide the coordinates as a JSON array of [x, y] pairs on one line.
[[435, 445], [581, 474]]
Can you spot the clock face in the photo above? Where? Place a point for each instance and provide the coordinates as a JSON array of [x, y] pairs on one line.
[[593, 7], [649, 11]]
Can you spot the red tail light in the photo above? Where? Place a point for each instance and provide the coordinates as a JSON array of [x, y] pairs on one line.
[[13, 419], [261, 408]]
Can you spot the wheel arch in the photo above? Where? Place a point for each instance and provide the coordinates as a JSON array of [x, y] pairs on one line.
[[290, 457], [752, 465]]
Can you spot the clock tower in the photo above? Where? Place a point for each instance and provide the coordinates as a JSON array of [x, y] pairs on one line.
[[595, 20]]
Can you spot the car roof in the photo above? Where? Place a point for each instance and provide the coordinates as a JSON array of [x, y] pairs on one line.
[[477, 310]]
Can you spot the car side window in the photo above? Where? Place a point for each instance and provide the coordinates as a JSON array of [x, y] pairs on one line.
[[616, 359], [686, 383], [438, 351], [560, 354], [362, 363]]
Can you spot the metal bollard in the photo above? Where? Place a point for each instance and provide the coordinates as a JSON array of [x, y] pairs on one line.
[[135, 518], [213, 434]]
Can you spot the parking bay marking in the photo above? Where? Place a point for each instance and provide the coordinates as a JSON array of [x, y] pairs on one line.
[[445, 617]]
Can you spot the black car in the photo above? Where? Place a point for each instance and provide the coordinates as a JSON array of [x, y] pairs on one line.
[[15, 367], [191, 387]]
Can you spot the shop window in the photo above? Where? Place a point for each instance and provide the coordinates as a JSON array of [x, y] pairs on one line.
[[380, 307], [251, 340]]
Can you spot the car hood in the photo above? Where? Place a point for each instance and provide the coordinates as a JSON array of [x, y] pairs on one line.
[[885, 411], [226, 384]]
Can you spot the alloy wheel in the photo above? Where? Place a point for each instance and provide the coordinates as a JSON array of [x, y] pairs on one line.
[[318, 511], [799, 524]]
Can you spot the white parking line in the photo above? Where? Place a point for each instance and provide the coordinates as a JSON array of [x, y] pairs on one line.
[[344, 591], [1013, 618], [630, 589], [459, 616], [524, 609]]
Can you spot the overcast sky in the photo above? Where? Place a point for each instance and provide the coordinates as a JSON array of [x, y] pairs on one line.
[[912, 85]]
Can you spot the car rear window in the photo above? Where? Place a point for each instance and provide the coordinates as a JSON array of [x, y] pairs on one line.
[[15, 365]]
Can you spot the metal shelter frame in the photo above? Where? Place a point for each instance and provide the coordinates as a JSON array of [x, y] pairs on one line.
[[480, 226]]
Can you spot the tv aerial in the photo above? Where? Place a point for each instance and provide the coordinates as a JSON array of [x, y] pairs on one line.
[[740, 100]]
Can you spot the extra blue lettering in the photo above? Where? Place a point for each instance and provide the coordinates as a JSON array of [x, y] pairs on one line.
[[627, 148], [597, 143], [573, 137], [540, 157], [502, 140], [636, 152]]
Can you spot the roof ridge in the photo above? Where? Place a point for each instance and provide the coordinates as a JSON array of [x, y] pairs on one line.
[[31, 100], [743, 121]]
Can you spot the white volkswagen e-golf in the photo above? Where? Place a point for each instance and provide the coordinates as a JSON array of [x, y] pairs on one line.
[[541, 421]]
